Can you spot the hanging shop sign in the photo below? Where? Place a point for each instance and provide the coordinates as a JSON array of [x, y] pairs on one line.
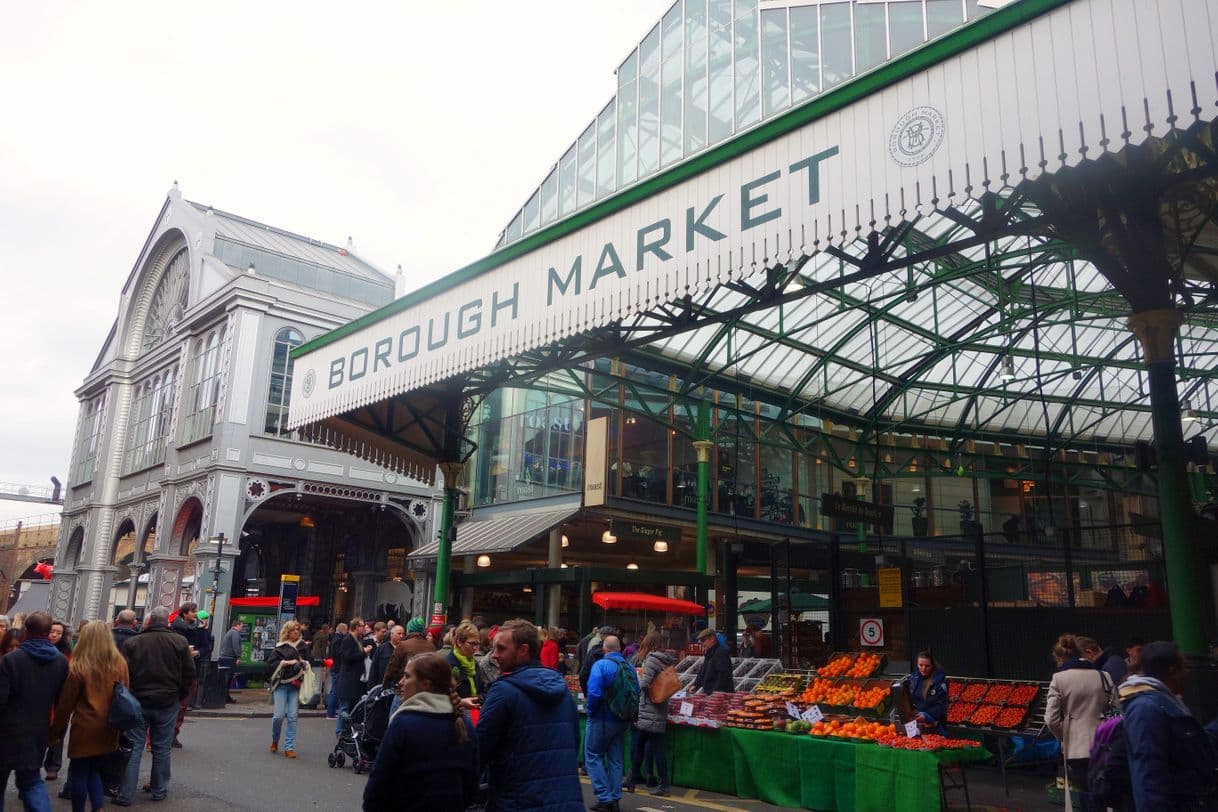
[[871, 632], [632, 530], [839, 507], [289, 590], [594, 455], [1028, 91]]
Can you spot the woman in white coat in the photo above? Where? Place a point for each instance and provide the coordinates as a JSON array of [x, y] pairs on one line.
[[1080, 695]]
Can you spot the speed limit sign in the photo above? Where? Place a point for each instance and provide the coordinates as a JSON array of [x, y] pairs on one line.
[[871, 631]]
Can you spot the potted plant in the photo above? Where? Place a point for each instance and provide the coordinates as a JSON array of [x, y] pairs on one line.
[[921, 522], [967, 525]]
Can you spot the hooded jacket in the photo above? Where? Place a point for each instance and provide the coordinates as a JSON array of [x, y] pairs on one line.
[[31, 677], [1171, 760], [528, 735], [653, 718]]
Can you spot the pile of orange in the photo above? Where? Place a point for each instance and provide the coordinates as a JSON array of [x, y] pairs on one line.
[[853, 729], [837, 668], [870, 697], [818, 691], [864, 666]]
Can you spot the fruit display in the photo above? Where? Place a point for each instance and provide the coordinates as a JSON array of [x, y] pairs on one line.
[[1023, 695], [959, 712], [858, 729], [822, 691], [998, 693], [927, 741], [871, 698], [984, 715], [1011, 716], [974, 692], [837, 666], [984, 703], [954, 689], [756, 711], [859, 665], [790, 684], [865, 665]]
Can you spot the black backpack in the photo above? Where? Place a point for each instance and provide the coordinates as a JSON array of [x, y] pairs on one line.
[[1108, 779]]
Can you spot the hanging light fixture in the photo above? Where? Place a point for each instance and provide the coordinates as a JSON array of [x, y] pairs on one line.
[[661, 546], [632, 566], [1189, 414], [528, 589], [307, 521], [566, 542], [1008, 369], [564, 565], [484, 561], [608, 537]]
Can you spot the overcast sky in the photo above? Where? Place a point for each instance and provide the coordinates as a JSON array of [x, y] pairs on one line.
[[416, 128]]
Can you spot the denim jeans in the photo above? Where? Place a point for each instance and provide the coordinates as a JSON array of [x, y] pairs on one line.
[[159, 728], [603, 757], [287, 703], [393, 706], [655, 758], [332, 697], [341, 706], [30, 789], [87, 783]]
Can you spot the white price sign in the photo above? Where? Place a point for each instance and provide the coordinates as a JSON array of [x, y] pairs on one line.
[[687, 708], [679, 694], [792, 711], [912, 730], [813, 714]]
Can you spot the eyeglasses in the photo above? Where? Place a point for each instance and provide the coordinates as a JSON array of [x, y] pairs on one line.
[[469, 642]]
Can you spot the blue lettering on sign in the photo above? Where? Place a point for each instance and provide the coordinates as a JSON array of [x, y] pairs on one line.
[[553, 280], [468, 325], [609, 265], [655, 246]]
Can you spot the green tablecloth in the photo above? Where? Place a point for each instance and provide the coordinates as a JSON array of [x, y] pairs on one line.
[[900, 779]]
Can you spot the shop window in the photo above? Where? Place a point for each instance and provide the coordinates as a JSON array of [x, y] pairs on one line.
[[149, 418], [644, 458], [88, 435], [200, 400], [776, 485], [280, 391]]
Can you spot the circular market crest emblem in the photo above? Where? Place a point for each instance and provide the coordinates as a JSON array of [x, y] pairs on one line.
[[310, 380], [916, 136]]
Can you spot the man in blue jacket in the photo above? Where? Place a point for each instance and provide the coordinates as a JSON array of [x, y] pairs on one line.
[[606, 732], [1171, 761], [528, 731]]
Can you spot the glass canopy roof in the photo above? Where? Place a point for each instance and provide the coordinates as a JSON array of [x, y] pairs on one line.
[[713, 68]]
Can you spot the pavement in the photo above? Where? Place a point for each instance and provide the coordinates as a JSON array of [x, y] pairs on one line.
[[224, 764]]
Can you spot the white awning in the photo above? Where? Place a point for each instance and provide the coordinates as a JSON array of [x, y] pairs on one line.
[[501, 533]]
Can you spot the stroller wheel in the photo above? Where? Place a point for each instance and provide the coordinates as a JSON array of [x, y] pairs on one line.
[[357, 766], [332, 760], [340, 759]]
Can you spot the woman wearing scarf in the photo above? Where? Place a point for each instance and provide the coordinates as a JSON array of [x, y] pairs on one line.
[[427, 760], [466, 639], [287, 666], [85, 702], [1079, 697]]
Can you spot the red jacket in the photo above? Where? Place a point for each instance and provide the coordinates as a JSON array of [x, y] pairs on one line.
[[549, 654]]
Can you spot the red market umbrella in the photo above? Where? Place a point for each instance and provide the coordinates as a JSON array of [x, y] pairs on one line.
[[647, 603]]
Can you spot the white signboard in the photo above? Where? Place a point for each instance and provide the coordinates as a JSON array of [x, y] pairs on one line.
[[1088, 77], [871, 631], [813, 714], [912, 730]]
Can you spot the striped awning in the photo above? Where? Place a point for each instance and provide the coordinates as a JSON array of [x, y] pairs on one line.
[[501, 533]]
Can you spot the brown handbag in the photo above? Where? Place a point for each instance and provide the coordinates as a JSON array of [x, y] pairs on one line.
[[665, 684]]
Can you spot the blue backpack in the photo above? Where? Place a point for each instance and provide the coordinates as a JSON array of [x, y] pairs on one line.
[[125, 712]]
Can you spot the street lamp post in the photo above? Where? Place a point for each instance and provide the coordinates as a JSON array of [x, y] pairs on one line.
[[217, 571]]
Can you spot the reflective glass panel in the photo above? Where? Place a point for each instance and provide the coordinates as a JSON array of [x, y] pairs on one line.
[[513, 230], [670, 92], [587, 166], [805, 53], [549, 197], [604, 151], [695, 75], [748, 93], [836, 43], [627, 120], [774, 60], [870, 37], [943, 15], [531, 211], [904, 26], [720, 70], [566, 183], [649, 103]]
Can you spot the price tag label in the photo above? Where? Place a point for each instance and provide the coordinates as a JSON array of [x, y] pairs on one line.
[[813, 714], [912, 730], [679, 694], [687, 708], [792, 711]]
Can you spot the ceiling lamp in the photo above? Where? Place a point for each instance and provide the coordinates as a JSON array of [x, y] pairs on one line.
[[1008, 369], [661, 546], [566, 542], [1189, 413], [608, 537], [528, 589], [307, 521], [564, 566], [632, 566], [484, 561]]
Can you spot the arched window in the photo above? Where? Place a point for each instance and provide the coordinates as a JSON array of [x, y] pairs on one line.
[[148, 426], [280, 391], [200, 400]]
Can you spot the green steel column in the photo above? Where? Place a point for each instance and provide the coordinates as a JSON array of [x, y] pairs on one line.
[[1157, 329], [451, 471], [703, 446]]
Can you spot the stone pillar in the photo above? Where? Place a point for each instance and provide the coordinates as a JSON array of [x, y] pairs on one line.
[[554, 562], [63, 589], [1157, 331], [98, 581], [165, 580]]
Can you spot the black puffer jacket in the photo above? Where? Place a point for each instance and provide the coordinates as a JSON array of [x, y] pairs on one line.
[[31, 677], [716, 673], [161, 666]]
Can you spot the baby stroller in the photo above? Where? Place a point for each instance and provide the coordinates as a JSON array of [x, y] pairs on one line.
[[361, 730]]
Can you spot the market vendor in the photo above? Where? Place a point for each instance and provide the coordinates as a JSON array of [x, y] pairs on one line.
[[927, 685], [716, 673]]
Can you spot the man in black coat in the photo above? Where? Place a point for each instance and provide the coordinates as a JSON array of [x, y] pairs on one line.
[[716, 673], [124, 628], [31, 677], [162, 671], [349, 654]]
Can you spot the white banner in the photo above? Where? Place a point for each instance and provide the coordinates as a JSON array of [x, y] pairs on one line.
[[1089, 77]]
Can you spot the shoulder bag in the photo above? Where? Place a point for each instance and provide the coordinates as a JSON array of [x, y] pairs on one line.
[[125, 712], [664, 685]]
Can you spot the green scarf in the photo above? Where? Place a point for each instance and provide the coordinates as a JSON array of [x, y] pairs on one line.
[[471, 670]]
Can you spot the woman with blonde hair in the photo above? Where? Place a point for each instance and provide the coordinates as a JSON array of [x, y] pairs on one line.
[[1080, 696], [470, 684], [84, 703], [288, 666]]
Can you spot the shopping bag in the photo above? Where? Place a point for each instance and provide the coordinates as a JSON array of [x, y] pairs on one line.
[[310, 692]]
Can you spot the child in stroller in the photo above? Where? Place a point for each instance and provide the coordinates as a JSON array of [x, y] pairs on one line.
[[362, 729]]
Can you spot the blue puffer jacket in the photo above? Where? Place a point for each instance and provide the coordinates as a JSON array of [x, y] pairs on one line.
[[422, 765], [932, 705], [1171, 761], [528, 736]]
